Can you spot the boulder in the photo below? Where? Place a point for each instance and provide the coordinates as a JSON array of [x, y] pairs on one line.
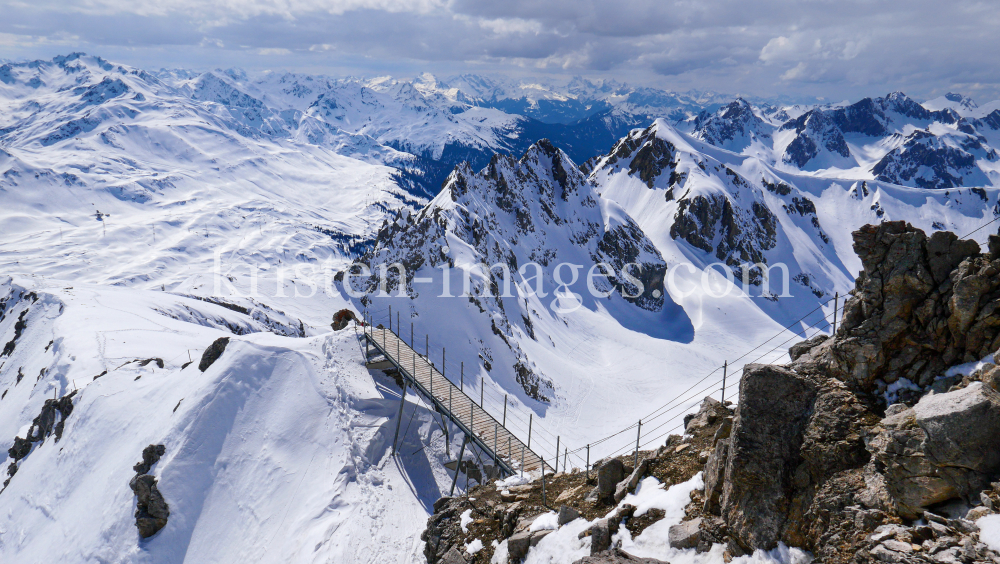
[[707, 415], [518, 545], [764, 452], [212, 353], [942, 448], [600, 535], [453, 556], [994, 246], [629, 484], [151, 509], [608, 476], [537, 536], [804, 347], [687, 534], [991, 378], [566, 514]]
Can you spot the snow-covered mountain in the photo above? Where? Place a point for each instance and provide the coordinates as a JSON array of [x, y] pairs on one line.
[[144, 216], [946, 143]]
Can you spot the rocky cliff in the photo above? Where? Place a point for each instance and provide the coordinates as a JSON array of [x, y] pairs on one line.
[[876, 445]]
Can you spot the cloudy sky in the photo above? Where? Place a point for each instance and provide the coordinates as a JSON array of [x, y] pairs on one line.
[[836, 49]]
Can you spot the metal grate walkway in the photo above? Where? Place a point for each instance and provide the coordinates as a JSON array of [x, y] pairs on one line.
[[483, 429]]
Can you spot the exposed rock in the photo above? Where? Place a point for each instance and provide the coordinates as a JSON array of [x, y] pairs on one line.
[[20, 449], [764, 452], [921, 305], [941, 449], [616, 556], [991, 378], [342, 318], [805, 346], [150, 456], [707, 415], [453, 556], [151, 511], [687, 534], [609, 474], [629, 484], [600, 535], [212, 353], [566, 514], [518, 545], [715, 470]]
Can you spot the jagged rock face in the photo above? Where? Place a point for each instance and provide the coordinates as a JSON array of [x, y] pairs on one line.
[[780, 454], [921, 305], [539, 209], [735, 234], [815, 131], [648, 156], [734, 127], [925, 160]]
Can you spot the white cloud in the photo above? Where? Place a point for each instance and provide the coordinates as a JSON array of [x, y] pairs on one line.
[[839, 49]]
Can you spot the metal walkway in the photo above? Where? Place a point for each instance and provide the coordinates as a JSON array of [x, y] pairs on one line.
[[481, 428]]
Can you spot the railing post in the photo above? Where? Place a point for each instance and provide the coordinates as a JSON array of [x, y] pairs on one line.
[[522, 460], [565, 456], [496, 464], [482, 389], [544, 503], [505, 410], [725, 368], [587, 466], [556, 469], [836, 299], [444, 365], [461, 382], [530, 417], [411, 334], [427, 346], [390, 318], [637, 436], [458, 466]]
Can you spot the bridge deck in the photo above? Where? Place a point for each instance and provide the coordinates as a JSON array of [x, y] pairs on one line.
[[488, 433]]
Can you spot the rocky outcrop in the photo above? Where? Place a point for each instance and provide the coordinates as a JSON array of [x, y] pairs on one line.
[[815, 460], [921, 305], [151, 510], [212, 353], [50, 420]]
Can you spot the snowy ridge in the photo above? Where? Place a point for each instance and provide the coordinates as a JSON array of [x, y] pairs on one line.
[[892, 138], [286, 436]]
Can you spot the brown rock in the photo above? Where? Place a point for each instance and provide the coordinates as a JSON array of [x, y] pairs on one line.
[[617, 556]]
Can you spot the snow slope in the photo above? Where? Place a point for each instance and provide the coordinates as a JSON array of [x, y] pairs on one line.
[[276, 453]]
